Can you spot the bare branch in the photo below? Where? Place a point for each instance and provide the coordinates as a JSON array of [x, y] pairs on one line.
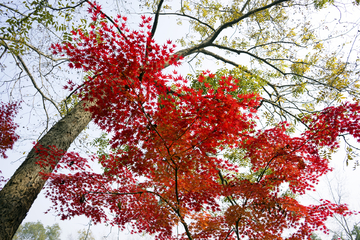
[[33, 48], [191, 17], [248, 53], [12, 9], [34, 83], [277, 42]]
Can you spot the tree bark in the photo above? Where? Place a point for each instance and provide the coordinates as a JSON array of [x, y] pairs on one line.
[[24, 186]]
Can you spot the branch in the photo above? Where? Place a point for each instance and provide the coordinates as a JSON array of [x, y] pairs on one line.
[[218, 57], [67, 7], [5, 49], [243, 8], [109, 19], [277, 42], [209, 40], [12, 9], [251, 54], [116, 193], [213, 36], [258, 58], [283, 109], [34, 83], [33, 48], [224, 183], [156, 18], [191, 17]]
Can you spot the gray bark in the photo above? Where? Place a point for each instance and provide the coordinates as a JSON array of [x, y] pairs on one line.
[[22, 189]]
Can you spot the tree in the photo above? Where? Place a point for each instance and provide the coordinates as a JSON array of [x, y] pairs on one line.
[[37, 231], [53, 232], [314, 237], [278, 71], [354, 235], [85, 235], [165, 168]]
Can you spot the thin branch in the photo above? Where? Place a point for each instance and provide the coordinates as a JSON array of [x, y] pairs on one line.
[[5, 50], [109, 19], [347, 143], [261, 59], [176, 188], [217, 32], [230, 230], [47, 119], [34, 82], [67, 7], [245, 5], [248, 53], [277, 42], [218, 57], [116, 193], [224, 182], [33, 48], [12, 9], [191, 17], [283, 109], [209, 40]]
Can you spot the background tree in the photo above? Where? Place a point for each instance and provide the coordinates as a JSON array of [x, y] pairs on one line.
[[315, 237], [37, 231], [286, 63], [354, 235], [53, 232], [85, 234]]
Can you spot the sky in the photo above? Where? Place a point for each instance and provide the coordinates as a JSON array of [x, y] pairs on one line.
[[343, 177]]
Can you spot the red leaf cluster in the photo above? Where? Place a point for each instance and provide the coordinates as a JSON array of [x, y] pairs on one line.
[[7, 130], [7, 127], [166, 167]]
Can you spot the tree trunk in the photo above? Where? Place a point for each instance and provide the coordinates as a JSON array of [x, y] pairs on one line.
[[22, 189]]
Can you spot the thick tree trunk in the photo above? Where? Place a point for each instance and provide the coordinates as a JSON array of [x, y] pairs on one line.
[[22, 189]]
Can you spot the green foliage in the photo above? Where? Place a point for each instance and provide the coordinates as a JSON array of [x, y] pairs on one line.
[[356, 232], [53, 232], [67, 104], [102, 145], [249, 81], [85, 235], [314, 237], [22, 18], [322, 3], [37, 231]]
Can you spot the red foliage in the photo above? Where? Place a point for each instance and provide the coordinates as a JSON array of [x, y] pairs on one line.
[[7, 127], [166, 168], [7, 130]]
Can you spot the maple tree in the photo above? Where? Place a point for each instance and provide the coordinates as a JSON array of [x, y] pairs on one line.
[[288, 65], [165, 166]]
